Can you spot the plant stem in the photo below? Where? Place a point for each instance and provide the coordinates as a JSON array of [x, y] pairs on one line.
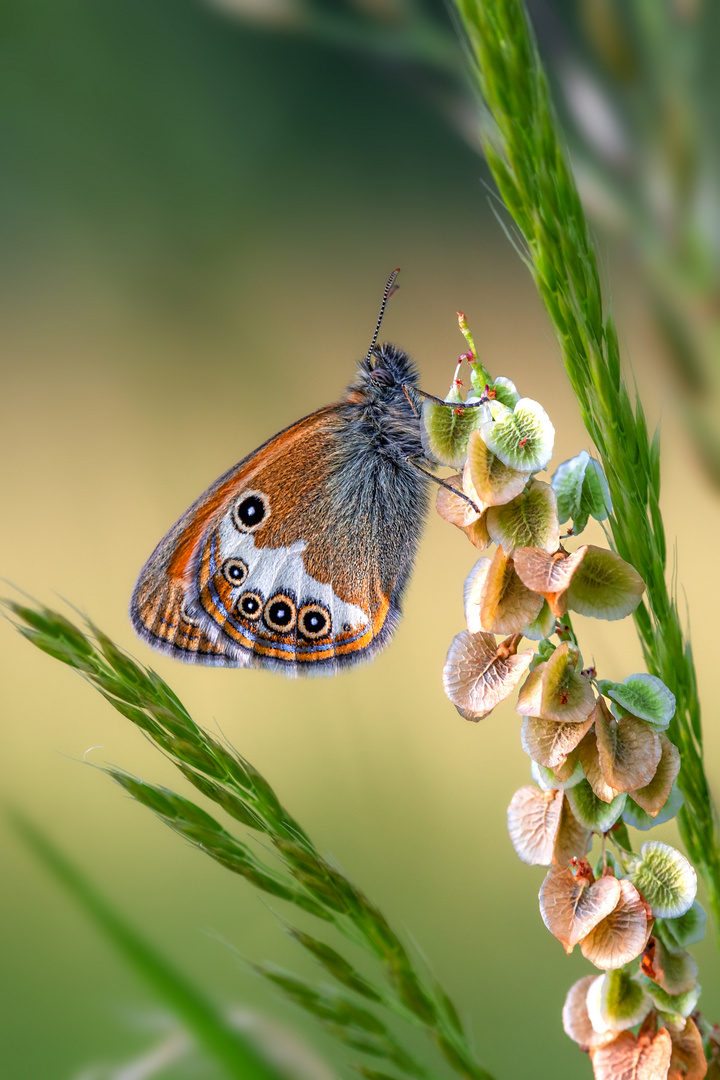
[[527, 157], [229, 1048]]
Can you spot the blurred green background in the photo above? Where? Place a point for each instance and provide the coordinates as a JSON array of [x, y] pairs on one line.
[[198, 219]]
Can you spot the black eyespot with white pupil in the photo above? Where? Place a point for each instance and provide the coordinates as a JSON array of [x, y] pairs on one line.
[[234, 571], [280, 613], [314, 621], [250, 605], [251, 510]]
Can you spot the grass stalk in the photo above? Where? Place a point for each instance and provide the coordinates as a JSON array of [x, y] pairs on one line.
[[527, 157], [226, 1046], [300, 875]]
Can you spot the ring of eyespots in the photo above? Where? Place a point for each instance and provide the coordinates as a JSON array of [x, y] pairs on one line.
[[251, 511], [314, 621], [250, 606], [280, 613], [235, 571]]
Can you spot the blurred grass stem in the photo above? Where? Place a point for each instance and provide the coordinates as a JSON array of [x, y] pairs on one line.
[[226, 1046], [418, 41]]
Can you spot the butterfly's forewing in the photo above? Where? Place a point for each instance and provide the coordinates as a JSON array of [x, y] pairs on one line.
[[276, 564]]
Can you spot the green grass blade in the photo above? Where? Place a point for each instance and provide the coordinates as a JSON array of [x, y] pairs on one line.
[[222, 1043]]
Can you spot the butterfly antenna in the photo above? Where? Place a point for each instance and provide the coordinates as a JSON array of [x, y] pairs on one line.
[[390, 288]]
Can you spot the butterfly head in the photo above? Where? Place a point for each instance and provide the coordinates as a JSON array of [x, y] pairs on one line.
[[391, 367], [387, 380]]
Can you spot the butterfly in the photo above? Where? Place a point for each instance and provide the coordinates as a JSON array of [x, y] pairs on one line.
[[296, 559]]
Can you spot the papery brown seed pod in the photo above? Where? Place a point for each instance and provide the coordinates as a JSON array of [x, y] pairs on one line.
[[533, 824], [590, 759], [573, 840], [549, 742], [629, 750], [622, 935], [688, 1056], [494, 482], [548, 574], [633, 1057], [654, 795], [506, 605], [573, 906], [479, 673], [453, 506], [566, 694]]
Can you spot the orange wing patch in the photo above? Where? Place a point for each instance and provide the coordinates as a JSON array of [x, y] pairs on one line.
[[160, 615]]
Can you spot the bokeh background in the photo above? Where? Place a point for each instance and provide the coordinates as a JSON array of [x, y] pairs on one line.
[[199, 214]]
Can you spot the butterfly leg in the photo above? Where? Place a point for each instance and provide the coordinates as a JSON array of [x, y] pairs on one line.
[[443, 483], [411, 403], [440, 401]]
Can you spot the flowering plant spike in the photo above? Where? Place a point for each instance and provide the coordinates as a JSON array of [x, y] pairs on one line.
[[600, 756]]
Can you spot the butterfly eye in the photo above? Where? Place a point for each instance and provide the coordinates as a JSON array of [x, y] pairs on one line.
[[251, 510], [234, 571], [314, 621], [280, 613], [382, 377], [250, 605]]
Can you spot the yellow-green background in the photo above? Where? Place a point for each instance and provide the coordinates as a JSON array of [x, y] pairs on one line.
[[198, 222]]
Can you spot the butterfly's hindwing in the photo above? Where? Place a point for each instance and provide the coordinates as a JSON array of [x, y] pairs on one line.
[[277, 610]]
